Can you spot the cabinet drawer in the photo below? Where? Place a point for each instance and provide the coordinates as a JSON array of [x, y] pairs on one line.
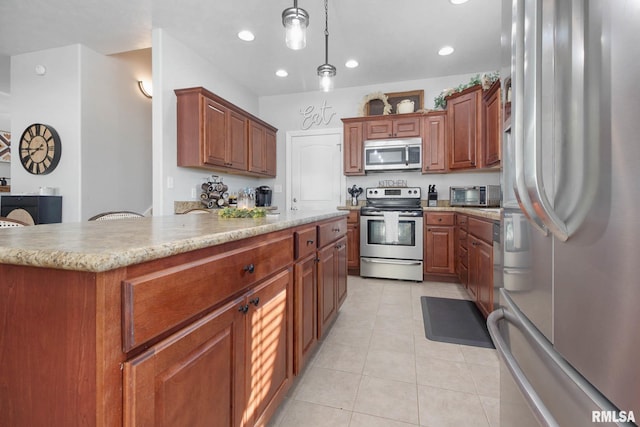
[[306, 242], [159, 301], [440, 218], [330, 231], [481, 229]]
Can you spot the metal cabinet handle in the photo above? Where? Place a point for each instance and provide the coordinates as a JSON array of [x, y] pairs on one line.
[[310, 242], [255, 301], [243, 308], [249, 268]]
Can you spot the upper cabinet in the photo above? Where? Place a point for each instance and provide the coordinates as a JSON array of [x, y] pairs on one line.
[[383, 127], [434, 134], [492, 155], [353, 147], [217, 135], [464, 116]]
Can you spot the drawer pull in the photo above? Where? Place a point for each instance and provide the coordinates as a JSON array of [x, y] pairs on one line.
[[255, 301], [243, 308], [310, 242], [250, 268]]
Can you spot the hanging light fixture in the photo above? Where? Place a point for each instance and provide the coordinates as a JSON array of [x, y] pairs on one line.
[[326, 72], [295, 21]]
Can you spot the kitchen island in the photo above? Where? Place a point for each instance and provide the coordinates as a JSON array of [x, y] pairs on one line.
[[174, 320]]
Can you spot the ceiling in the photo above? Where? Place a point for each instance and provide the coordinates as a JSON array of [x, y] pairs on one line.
[[392, 40]]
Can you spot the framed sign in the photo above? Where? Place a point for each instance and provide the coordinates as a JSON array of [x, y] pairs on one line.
[[375, 107], [5, 146]]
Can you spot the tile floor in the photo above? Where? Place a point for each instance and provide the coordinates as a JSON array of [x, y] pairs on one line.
[[375, 367]]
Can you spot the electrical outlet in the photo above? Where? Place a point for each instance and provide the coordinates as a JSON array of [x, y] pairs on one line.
[[169, 182], [194, 194]]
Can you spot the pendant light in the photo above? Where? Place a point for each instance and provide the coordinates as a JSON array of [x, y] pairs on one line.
[[295, 21], [326, 72]]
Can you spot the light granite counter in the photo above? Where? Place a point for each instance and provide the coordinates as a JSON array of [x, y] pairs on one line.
[[97, 246]]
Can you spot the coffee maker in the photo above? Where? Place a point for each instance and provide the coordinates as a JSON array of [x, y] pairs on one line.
[[263, 196]]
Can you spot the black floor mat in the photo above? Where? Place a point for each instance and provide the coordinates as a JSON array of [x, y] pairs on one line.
[[454, 321]]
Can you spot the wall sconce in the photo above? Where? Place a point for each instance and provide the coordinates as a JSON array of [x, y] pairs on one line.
[[146, 88]]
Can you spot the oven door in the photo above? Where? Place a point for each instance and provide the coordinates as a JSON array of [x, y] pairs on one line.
[[375, 243]]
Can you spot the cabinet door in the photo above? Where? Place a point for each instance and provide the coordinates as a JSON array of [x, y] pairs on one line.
[[341, 271], [433, 143], [327, 309], [406, 127], [237, 141], [305, 310], [484, 254], [439, 253], [269, 346], [378, 129], [353, 241], [463, 116], [353, 149], [474, 267], [492, 128], [270, 147], [257, 147], [193, 378], [215, 133]]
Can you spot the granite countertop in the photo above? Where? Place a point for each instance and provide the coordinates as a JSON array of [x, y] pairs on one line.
[[488, 213], [97, 246]]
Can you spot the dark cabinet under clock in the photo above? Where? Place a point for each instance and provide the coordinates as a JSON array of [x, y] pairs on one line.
[[43, 209]]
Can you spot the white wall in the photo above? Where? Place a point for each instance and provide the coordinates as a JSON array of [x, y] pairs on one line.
[[91, 101], [284, 112], [176, 66], [5, 99]]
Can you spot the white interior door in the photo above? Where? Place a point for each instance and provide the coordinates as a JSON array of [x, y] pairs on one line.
[[314, 173]]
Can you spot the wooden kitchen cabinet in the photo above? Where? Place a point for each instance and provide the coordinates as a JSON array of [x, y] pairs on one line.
[[262, 149], [481, 263], [464, 123], [306, 296], [434, 134], [385, 127], [194, 377], [439, 243], [353, 147], [353, 242], [332, 272], [214, 134], [492, 138], [462, 256]]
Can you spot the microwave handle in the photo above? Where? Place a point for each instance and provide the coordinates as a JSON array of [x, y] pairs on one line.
[[406, 155]]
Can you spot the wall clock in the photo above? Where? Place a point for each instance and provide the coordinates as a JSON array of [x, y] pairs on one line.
[[40, 149]]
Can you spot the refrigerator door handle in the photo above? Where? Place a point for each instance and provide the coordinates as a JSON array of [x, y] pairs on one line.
[[542, 414], [510, 313], [518, 119]]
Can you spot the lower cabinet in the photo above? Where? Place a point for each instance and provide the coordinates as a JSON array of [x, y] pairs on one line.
[[229, 368], [439, 253], [305, 310], [353, 242]]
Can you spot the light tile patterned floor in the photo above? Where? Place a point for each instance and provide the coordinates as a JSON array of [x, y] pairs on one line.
[[375, 368]]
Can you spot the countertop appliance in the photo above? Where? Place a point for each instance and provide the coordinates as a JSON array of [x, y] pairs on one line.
[[263, 195], [484, 196], [391, 234], [393, 154], [566, 330]]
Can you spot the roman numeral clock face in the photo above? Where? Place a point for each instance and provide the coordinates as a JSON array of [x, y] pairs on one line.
[[40, 149]]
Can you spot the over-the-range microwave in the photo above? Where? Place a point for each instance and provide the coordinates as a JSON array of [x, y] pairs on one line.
[[478, 195], [393, 154]]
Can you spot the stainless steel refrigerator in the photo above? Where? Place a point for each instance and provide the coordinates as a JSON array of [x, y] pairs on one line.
[[567, 328]]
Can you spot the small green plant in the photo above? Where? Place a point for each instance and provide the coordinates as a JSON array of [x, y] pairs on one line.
[[486, 80]]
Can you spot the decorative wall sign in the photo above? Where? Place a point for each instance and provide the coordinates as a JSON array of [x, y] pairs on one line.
[[318, 117], [5, 146]]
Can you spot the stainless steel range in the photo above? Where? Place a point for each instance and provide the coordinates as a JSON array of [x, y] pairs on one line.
[[391, 234]]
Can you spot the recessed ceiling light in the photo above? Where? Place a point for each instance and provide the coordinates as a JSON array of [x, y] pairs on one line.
[[246, 35], [447, 50], [458, 1], [282, 73], [352, 63]]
